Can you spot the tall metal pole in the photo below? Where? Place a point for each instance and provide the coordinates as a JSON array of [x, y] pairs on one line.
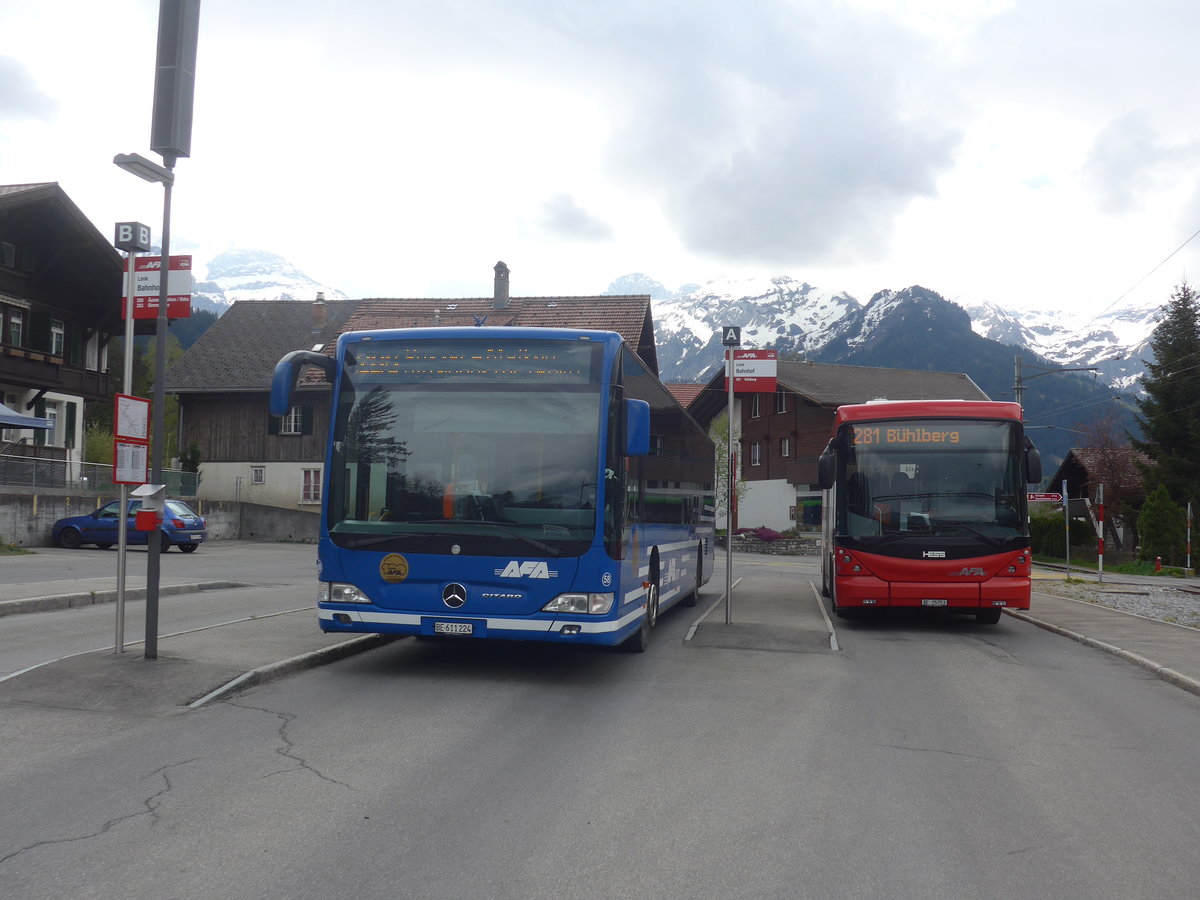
[[1018, 387], [123, 520], [1067, 525], [730, 491], [1100, 544], [158, 419]]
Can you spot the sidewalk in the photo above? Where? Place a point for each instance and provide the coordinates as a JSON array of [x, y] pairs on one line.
[[771, 612]]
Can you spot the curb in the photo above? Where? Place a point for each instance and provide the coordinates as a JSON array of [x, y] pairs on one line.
[[1169, 675], [277, 670], [90, 598]]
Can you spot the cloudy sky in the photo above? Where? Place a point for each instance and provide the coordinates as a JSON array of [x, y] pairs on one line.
[[1032, 153]]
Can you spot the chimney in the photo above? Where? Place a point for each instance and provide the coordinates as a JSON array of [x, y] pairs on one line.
[[500, 298], [318, 315]]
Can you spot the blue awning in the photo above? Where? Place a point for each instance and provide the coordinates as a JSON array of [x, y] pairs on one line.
[[14, 419]]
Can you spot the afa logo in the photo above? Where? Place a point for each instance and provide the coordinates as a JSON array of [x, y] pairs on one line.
[[529, 569]]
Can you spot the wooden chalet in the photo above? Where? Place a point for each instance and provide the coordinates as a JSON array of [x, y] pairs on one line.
[[60, 304]]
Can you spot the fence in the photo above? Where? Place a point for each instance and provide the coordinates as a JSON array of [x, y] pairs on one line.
[[92, 478]]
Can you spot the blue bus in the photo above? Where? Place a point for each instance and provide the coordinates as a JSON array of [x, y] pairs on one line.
[[532, 484]]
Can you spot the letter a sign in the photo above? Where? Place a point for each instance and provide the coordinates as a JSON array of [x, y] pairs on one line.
[[731, 335]]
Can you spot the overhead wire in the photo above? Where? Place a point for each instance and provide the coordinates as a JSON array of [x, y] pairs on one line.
[[1144, 277]]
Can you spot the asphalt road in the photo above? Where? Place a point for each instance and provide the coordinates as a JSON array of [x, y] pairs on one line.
[[925, 758], [278, 577]]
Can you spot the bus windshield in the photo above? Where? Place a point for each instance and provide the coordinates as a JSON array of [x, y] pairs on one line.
[[922, 477], [484, 450]]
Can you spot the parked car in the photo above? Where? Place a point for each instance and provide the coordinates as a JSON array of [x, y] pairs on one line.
[[180, 527]]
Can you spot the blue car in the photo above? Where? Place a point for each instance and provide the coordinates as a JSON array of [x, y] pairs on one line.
[[180, 527]]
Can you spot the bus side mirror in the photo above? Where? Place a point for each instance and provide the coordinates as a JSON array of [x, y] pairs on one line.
[[287, 370], [1033, 463], [826, 467], [637, 428]]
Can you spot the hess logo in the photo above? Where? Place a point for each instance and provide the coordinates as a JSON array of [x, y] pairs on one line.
[[528, 569]]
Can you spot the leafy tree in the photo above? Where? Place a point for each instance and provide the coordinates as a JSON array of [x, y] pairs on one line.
[[719, 432], [1112, 461], [98, 443], [1162, 527], [1170, 410]]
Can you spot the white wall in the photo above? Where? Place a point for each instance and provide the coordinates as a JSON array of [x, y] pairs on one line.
[[282, 486], [767, 503]]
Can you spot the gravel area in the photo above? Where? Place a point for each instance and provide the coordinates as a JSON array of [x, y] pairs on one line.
[[1163, 602]]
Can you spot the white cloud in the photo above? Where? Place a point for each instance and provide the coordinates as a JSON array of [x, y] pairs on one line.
[[990, 150]]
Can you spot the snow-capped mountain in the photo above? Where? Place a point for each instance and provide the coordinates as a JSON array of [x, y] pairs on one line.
[[254, 275], [797, 318], [1115, 342], [789, 315]]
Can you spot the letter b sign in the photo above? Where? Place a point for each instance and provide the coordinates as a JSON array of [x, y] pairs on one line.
[[132, 236]]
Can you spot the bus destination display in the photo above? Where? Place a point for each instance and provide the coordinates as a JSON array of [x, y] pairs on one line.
[[922, 434], [432, 361]]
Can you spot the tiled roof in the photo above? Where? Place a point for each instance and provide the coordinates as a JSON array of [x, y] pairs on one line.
[[239, 352], [829, 385], [685, 393], [834, 385]]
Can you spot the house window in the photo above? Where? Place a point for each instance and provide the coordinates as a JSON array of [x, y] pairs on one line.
[[299, 420], [311, 492], [16, 327], [781, 402], [785, 446], [755, 406], [11, 434], [755, 453], [53, 437], [58, 337], [292, 422], [258, 474]]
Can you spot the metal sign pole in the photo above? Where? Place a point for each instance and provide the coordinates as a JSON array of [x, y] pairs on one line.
[[123, 520], [1067, 525], [1100, 545], [731, 337], [731, 492]]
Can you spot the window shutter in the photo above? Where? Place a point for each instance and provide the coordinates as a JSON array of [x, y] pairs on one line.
[[272, 424], [39, 434], [69, 436], [39, 330], [306, 420], [74, 345]]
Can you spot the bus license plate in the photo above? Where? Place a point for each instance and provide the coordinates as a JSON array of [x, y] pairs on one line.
[[934, 601], [453, 627]]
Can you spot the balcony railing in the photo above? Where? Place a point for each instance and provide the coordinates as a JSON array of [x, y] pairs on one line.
[[92, 478]]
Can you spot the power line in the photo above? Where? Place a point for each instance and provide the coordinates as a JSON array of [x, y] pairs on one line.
[[1143, 278]]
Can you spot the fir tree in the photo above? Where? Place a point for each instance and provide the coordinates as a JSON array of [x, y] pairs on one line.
[[1169, 414]]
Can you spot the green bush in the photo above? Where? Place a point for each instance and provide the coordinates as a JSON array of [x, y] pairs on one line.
[[1048, 538], [1162, 527]]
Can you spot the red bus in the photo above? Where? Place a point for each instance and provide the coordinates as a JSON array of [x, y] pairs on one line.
[[925, 506]]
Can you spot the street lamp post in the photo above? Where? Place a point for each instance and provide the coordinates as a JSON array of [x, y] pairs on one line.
[[153, 172]]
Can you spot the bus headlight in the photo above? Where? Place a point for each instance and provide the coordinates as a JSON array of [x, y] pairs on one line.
[[336, 592], [583, 604]]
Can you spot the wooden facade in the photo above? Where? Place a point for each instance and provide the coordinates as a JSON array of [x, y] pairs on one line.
[[236, 427]]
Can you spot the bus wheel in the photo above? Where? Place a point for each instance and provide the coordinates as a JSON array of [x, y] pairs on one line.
[[988, 616], [694, 597], [640, 639]]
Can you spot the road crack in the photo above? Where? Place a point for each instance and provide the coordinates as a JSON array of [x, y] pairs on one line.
[[288, 747], [150, 804]]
